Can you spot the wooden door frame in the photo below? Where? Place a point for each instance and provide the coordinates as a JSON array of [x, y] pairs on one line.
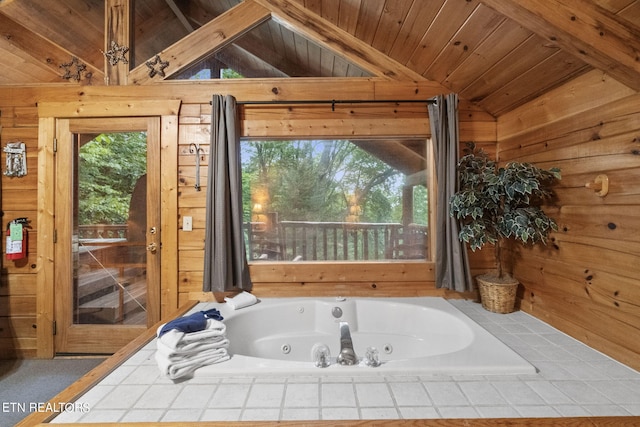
[[48, 113]]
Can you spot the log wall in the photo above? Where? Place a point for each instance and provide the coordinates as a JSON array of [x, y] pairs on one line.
[[585, 282], [182, 268]]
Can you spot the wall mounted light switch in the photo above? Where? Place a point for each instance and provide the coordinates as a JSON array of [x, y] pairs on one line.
[[187, 223]]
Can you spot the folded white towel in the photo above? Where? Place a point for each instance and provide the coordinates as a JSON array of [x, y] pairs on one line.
[[191, 349], [243, 299], [184, 367], [176, 339]]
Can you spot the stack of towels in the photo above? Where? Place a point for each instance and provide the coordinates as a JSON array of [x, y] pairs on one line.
[[190, 342]]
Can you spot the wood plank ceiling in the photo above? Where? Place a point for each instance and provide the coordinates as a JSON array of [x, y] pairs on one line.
[[498, 54]]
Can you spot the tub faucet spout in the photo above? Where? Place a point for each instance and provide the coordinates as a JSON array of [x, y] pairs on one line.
[[347, 355]]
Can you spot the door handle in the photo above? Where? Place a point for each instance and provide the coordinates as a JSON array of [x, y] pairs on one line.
[[152, 247]]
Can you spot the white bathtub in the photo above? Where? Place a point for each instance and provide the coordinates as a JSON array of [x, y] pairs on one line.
[[414, 336]]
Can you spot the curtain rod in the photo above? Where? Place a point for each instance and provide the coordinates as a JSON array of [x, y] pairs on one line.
[[333, 102]]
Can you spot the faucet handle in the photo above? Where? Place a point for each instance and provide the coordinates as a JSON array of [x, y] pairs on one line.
[[372, 357], [321, 355]]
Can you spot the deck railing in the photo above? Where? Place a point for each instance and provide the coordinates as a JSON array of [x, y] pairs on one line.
[[102, 231], [327, 241]]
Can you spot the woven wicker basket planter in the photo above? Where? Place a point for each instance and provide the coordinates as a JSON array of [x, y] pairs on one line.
[[497, 297]]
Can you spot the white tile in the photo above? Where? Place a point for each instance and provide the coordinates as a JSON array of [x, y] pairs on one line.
[[159, 396], [300, 414], [571, 410], [620, 392], [229, 396], [339, 414], [194, 396], [142, 357], [481, 393], [614, 369], [187, 415], [418, 412], [632, 409], [551, 371], [607, 410], [265, 396], [536, 411], [497, 412], [457, 412], [103, 416], [409, 394], [217, 414], [379, 414], [517, 393], [337, 395], [260, 414], [118, 375], [446, 393], [373, 395], [144, 374], [143, 415], [95, 395], [68, 417], [582, 370], [549, 393], [122, 397], [580, 392], [302, 395]]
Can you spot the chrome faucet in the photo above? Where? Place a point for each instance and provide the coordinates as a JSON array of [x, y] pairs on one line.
[[347, 355]]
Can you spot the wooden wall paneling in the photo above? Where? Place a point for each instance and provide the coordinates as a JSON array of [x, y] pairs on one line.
[[564, 102], [169, 211], [46, 248], [585, 281]]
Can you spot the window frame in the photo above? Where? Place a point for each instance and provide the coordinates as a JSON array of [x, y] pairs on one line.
[[352, 277]]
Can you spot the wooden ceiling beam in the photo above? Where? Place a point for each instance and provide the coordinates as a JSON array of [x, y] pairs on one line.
[[117, 29], [300, 20], [210, 37], [183, 19], [588, 31], [46, 52]]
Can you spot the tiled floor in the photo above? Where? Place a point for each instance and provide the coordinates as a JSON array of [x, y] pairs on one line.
[[573, 380]]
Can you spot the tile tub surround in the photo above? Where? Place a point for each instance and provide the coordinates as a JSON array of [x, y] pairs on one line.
[[573, 381]]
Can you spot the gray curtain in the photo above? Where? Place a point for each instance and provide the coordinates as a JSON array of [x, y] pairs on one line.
[[451, 260], [225, 263]]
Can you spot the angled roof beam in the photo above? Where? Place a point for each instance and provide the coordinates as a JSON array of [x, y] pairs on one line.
[[46, 52], [324, 33], [183, 19], [212, 36], [590, 32]]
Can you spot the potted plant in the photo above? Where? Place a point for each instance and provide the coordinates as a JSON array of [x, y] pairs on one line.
[[494, 204]]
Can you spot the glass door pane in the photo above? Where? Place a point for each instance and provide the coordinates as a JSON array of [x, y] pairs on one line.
[[109, 228]]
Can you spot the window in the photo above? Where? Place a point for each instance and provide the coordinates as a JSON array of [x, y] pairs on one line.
[[345, 200]]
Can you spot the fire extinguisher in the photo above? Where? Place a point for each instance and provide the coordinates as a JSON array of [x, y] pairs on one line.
[[17, 239]]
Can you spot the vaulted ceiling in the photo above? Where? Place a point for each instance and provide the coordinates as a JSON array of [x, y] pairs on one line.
[[498, 54]]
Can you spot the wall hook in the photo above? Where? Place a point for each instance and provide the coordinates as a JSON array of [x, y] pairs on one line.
[[199, 153], [600, 185]]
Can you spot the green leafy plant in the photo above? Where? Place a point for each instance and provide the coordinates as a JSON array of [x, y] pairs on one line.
[[496, 203]]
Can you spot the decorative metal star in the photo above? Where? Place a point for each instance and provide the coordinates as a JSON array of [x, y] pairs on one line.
[[161, 66], [116, 54], [73, 74]]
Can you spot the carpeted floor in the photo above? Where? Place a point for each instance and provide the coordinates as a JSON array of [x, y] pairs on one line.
[[26, 383]]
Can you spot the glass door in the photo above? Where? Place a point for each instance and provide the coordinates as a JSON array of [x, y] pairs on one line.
[[108, 237]]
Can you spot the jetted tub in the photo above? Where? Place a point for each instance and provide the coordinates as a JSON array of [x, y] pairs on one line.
[[413, 336]]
